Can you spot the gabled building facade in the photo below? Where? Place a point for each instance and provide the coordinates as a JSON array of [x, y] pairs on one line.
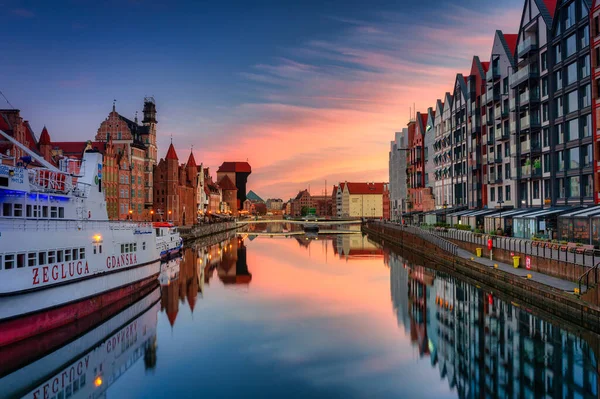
[[459, 147], [476, 174], [499, 143]]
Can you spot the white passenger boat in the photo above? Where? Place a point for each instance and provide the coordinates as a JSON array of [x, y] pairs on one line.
[[60, 257], [168, 240]]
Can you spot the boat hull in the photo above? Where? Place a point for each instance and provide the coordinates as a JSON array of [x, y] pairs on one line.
[[25, 315]]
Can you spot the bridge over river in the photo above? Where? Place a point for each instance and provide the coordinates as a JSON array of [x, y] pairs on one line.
[[294, 233], [301, 222]]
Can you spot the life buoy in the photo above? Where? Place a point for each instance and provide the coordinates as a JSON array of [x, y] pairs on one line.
[[89, 214]]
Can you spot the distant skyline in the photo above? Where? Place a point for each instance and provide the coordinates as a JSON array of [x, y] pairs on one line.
[[305, 92]]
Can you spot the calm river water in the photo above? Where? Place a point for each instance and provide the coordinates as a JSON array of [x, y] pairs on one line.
[[337, 317]]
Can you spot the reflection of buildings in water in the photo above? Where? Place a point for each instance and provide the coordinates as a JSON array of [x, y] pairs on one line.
[[184, 288], [355, 246], [229, 260], [102, 355], [486, 347]]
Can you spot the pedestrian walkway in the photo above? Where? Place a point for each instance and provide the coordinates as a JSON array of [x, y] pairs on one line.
[[555, 282]]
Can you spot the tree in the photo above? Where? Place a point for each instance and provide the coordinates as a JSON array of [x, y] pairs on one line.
[[304, 211]]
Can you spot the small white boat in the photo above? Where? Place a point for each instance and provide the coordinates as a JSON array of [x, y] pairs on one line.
[[168, 241]]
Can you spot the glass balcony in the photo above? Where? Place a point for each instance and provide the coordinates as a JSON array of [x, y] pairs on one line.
[[529, 97], [525, 147], [512, 104], [530, 122], [513, 127], [525, 170], [493, 95], [492, 74], [499, 158], [523, 74], [490, 139], [526, 46], [500, 134]]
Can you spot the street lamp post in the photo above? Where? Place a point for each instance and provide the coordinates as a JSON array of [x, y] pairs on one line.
[[500, 202]]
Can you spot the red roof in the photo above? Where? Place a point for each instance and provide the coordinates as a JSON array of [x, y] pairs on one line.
[[511, 41], [237, 167], [551, 6], [191, 161], [485, 66], [77, 147], [227, 184], [342, 185], [171, 154], [44, 137], [365, 188]]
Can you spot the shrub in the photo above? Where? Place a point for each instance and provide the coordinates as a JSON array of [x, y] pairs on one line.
[[463, 227]]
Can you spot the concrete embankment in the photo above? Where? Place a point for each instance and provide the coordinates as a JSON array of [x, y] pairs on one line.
[[565, 306], [204, 230]]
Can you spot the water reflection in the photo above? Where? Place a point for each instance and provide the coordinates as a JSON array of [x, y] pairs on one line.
[[84, 359], [290, 317], [484, 346]]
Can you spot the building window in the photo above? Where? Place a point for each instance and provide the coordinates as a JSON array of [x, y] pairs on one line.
[[546, 160], [586, 154], [507, 193], [536, 189], [571, 73], [493, 194], [561, 188], [586, 96], [574, 158], [545, 87], [546, 188], [559, 107], [570, 45], [574, 187], [572, 102], [570, 18], [586, 184], [586, 125], [557, 53], [584, 66], [545, 113], [584, 36], [560, 157], [546, 137], [572, 132], [544, 58]]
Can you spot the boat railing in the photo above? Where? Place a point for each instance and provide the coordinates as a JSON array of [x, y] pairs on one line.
[[22, 224], [50, 181]]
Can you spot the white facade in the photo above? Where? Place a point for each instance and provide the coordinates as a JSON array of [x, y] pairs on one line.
[[397, 174]]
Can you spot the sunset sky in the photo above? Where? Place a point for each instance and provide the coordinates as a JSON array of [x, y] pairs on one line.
[[307, 92]]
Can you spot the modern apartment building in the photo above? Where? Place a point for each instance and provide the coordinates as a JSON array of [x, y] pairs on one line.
[[459, 147], [501, 185], [595, 53], [442, 159], [476, 88], [397, 175], [572, 100], [532, 113]]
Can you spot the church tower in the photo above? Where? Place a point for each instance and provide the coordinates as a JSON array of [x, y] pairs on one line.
[[150, 122]]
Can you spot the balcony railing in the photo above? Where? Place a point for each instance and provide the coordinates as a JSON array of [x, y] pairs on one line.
[[512, 104], [490, 139], [492, 74], [522, 75], [499, 158], [513, 127], [525, 147], [530, 122], [501, 134], [491, 96], [525, 170], [529, 97], [526, 46]]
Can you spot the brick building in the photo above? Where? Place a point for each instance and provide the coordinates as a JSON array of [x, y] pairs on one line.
[[175, 189], [238, 172], [302, 200], [230, 195]]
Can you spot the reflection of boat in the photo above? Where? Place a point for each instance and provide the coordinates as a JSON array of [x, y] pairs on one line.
[[313, 227], [168, 241], [86, 366], [58, 248], [169, 271]]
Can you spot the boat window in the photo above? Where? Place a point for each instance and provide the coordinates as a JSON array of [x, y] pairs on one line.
[[53, 212], [158, 232], [20, 260], [41, 258], [60, 256], [31, 259], [95, 249], [75, 254], [18, 210], [100, 248], [7, 209], [144, 246], [28, 211], [81, 253], [9, 261], [61, 212], [122, 248], [134, 246], [44, 211], [51, 257], [67, 255], [36, 211], [1, 262]]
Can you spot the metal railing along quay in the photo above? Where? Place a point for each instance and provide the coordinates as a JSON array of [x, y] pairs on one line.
[[424, 234]]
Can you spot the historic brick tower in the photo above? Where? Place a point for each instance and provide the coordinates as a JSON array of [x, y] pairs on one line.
[[149, 137]]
